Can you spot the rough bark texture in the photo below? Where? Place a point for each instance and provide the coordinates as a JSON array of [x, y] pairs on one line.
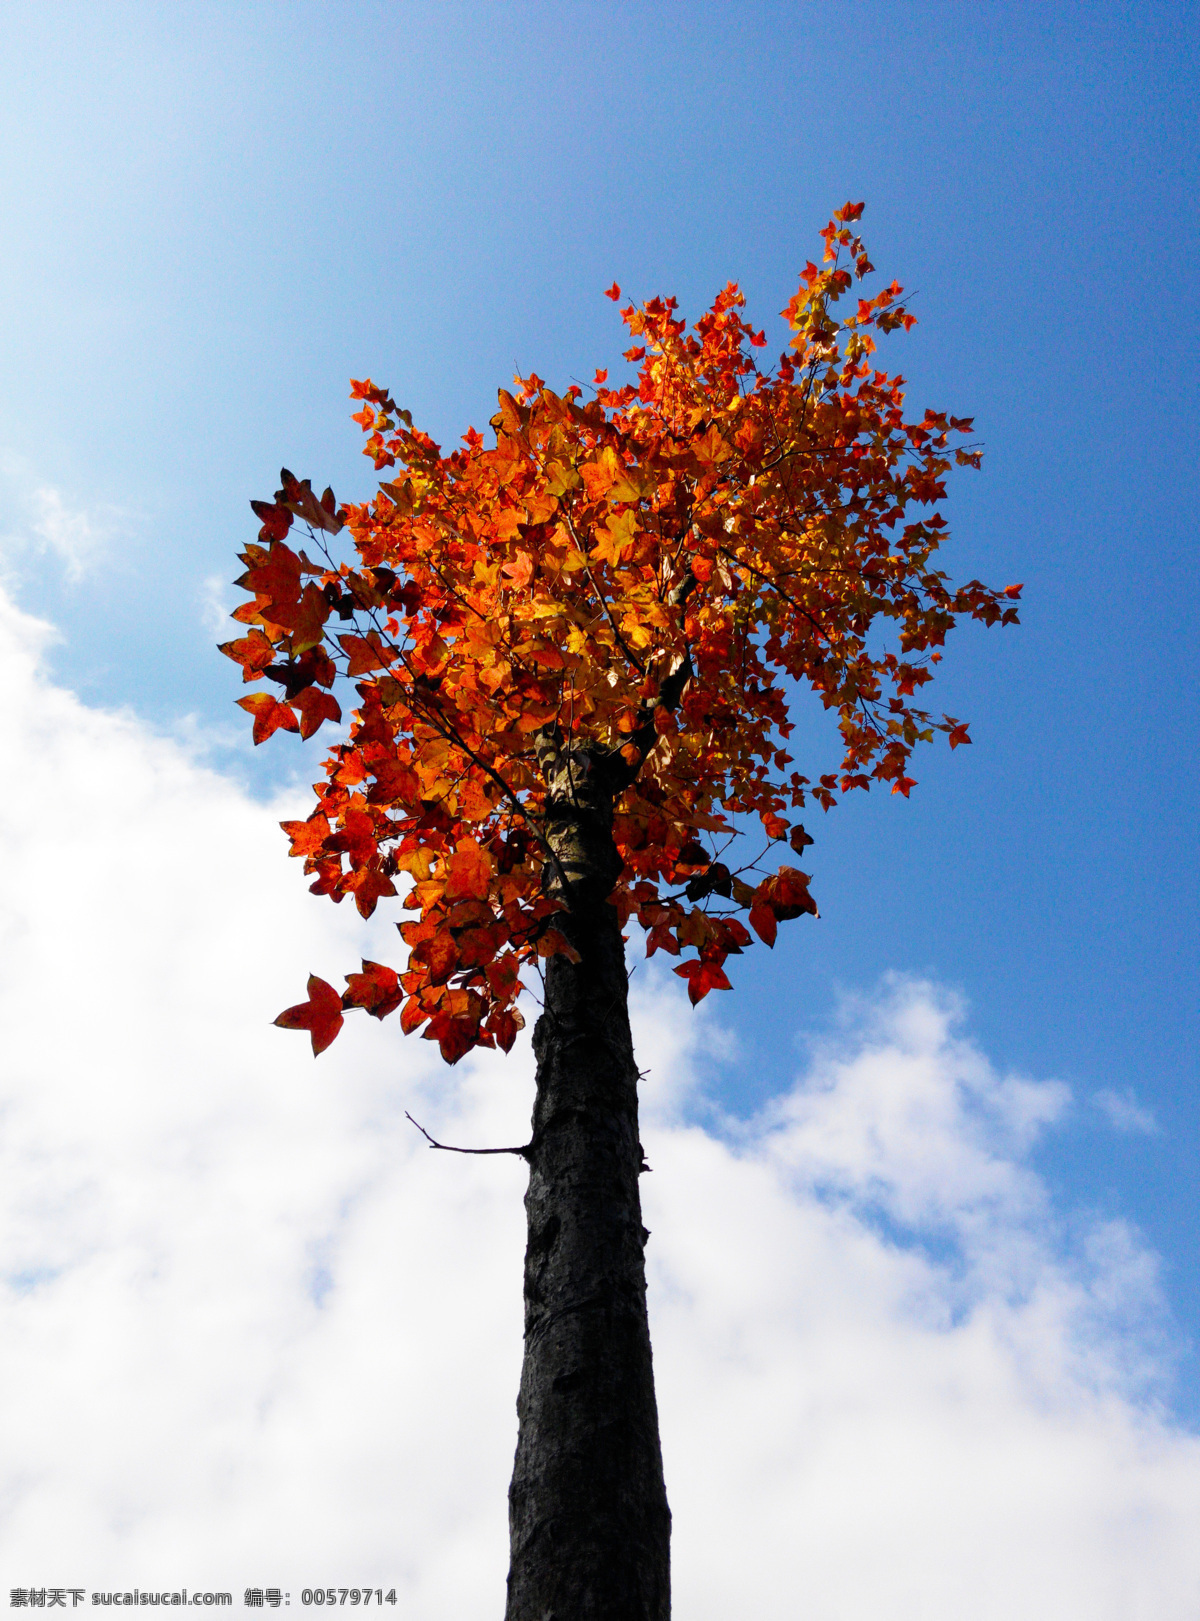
[[588, 1515]]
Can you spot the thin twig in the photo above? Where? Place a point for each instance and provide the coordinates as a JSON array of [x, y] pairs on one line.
[[449, 1148]]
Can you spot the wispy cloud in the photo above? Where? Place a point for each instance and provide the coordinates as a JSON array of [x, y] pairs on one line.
[[216, 605], [79, 539], [42, 521], [1124, 1113]]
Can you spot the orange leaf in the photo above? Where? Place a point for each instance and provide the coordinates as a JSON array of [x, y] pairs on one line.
[[253, 653], [305, 618], [321, 1015], [520, 570], [469, 873], [269, 715], [307, 837], [366, 653], [412, 1016]]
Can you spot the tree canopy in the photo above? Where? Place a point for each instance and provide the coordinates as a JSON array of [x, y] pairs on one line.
[[659, 571]]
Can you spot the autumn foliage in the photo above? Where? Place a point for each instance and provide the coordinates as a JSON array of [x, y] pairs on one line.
[[660, 570]]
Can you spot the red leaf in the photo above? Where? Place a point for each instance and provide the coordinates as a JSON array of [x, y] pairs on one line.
[[276, 521], [613, 292], [504, 1026], [368, 886], [304, 618], [799, 839], [269, 715], [321, 1015], [377, 989], [440, 955], [413, 1016], [703, 977], [763, 922], [454, 1036], [307, 837], [277, 578], [315, 707]]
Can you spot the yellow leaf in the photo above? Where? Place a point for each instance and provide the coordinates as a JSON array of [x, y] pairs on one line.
[[615, 540], [418, 862]]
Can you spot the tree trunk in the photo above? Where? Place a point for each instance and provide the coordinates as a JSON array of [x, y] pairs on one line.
[[588, 1516]]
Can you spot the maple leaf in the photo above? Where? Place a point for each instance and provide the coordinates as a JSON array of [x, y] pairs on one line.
[[276, 579], [315, 707], [276, 521], [254, 653], [702, 977], [377, 989], [321, 1015], [764, 922], [366, 653], [438, 955], [455, 1037], [368, 886], [269, 715], [305, 618], [469, 872], [788, 892], [799, 839], [519, 571], [307, 837], [503, 1026]]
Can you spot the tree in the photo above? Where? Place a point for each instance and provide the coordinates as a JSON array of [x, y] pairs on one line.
[[575, 651]]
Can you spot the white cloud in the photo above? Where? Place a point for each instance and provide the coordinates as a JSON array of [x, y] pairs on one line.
[[216, 605], [46, 521], [72, 534], [252, 1331], [1124, 1113]]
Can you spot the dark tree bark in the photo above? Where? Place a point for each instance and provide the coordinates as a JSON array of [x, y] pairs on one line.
[[588, 1516]]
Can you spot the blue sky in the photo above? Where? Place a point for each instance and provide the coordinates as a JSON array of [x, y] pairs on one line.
[[218, 213]]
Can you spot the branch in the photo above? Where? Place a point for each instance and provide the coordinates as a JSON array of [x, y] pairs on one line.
[[522, 1153], [670, 689], [603, 600]]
